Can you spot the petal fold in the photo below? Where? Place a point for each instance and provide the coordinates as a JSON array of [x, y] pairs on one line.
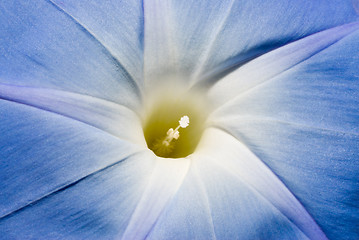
[[264, 68], [164, 183], [202, 40], [318, 166], [303, 124], [238, 211], [52, 50], [117, 25], [107, 116], [98, 206], [233, 156], [42, 152], [251, 28], [189, 209]]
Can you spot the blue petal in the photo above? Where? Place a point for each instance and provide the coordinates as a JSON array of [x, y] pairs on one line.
[[303, 123], [252, 28], [42, 46], [117, 25], [199, 39], [233, 156], [160, 48], [108, 116], [264, 68], [98, 206], [188, 215], [42, 152], [319, 166], [165, 180], [230, 194]]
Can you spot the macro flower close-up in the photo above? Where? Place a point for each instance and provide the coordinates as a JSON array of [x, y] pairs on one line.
[[179, 119]]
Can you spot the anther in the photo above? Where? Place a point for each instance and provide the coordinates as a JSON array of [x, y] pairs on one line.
[[164, 146]]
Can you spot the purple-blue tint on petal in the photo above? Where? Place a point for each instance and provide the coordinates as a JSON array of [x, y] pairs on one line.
[[319, 166], [42, 152], [70, 147], [215, 204], [220, 148], [41, 46], [116, 24], [110, 117], [98, 206], [303, 123], [201, 39], [264, 68], [252, 28]]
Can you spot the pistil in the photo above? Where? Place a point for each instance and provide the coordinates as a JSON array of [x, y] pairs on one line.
[[165, 146]]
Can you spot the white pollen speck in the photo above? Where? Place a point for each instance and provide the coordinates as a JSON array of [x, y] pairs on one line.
[[184, 122]]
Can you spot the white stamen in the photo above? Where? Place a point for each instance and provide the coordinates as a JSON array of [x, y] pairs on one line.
[[184, 122], [170, 132], [174, 134], [164, 146]]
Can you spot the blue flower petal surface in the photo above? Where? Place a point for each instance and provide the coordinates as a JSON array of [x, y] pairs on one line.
[[110, 117], [42, 46], [188, 215], [226, 181], [200, 39], [72, 165], [42, 152], [98, 206], [303, 123], [117, 25], [266, 67], [166, 178], [253, 28]]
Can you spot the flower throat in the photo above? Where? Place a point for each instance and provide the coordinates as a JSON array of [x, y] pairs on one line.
[[160, 131], [164, 147]]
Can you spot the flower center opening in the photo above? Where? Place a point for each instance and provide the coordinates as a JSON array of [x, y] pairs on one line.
[[174, 126]]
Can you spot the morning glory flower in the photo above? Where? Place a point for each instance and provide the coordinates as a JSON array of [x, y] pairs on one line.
[[179, 119]]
